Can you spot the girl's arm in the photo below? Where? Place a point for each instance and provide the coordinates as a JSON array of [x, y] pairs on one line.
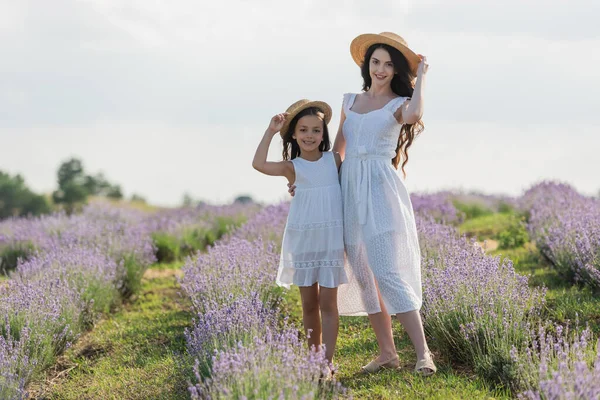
[[412, 110], [339, 145], [260, 163]]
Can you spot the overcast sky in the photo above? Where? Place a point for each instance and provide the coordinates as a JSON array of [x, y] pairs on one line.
[[168, 97]]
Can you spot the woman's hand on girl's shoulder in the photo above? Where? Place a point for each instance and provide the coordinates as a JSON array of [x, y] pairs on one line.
[[291, 189]]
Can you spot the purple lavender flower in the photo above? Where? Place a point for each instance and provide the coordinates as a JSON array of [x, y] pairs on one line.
[[437, 205], [277, 363], [15, 367], [239, 349], [562, 365], [566, 228], [474, 306]]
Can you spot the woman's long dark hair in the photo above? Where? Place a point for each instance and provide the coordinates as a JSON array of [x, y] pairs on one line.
[[402, 85], [291, 149]]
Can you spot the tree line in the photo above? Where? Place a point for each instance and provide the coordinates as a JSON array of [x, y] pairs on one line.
[[74, 188]]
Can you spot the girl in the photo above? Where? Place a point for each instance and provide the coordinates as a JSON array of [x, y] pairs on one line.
[[312, 253]]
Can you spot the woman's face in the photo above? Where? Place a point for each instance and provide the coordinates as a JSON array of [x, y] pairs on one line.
[[381, 68]]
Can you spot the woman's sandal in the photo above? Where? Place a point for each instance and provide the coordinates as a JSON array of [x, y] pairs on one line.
[[374, 366], [425, 366]]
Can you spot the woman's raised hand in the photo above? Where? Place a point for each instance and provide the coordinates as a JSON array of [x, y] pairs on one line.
[[423, 65]]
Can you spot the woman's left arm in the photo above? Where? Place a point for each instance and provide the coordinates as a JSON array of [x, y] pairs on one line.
[[412, 110]]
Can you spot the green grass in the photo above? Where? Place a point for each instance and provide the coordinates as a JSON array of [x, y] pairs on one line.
[[131, 355], [486, 226], [472, 209], [357, 345], [168, 266]]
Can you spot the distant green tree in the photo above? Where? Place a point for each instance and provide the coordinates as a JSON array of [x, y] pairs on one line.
[[71, 171], [138, 198], [16, 199], [187, 200], [97, 185], [114, 192], [70, 194], [244, 199], [72, 189], [74, 186]]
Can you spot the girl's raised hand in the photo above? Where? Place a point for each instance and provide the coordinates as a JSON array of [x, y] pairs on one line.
[[277, 123]]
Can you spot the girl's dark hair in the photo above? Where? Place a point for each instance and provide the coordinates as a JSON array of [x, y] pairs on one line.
[[291, 149], [402, 85]]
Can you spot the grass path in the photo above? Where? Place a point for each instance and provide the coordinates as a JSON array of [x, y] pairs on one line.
[[133, 353]]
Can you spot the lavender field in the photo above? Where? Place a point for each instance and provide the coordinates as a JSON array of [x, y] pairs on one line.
[[511, 303]]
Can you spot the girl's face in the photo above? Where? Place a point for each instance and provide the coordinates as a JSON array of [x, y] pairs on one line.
[[381, 68], [309, 133]]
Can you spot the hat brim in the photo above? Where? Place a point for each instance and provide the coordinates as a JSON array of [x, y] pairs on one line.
[[360, 45], [321, 105]]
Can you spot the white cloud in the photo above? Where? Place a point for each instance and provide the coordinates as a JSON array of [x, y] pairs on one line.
[[142, 89]]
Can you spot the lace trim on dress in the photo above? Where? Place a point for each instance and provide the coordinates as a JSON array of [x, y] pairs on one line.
[[312, 264], [316, 225]]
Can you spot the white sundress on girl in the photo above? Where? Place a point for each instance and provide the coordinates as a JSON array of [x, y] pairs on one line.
[[313, 241]]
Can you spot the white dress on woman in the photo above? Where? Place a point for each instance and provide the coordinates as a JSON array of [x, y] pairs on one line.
[[380, 234]]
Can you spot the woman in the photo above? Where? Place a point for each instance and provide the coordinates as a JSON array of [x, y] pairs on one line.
[[376, 129]]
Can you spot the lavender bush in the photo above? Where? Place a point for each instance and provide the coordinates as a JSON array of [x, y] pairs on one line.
[[118, 234], [275, 365], [438, 206], [268, 225], [90, 272], [563, 365], [182, 231], [51, 315], [229, 271], [566, 228], [240, 265], [15, 367], [239, 347], [475, 306], [226, 326]]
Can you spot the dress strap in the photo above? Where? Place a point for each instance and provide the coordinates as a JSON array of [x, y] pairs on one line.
[[348, 101], [396, 103], [332, 156], [299, 170]]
